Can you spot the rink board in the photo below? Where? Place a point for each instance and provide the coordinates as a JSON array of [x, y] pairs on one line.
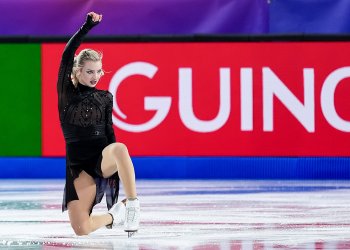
[[196, 167]]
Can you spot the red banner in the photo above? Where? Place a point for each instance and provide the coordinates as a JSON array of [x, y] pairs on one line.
[[218, 99]]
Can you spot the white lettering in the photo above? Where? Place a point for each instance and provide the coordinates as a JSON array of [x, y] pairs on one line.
[[273, 86], [186, 104], [246, 99], [327, 99], [160, 104]]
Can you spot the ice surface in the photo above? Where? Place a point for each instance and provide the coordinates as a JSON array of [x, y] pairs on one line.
[[183, 214]]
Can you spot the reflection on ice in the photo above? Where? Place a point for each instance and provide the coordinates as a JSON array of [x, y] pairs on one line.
[[188, 215], [137, 245]]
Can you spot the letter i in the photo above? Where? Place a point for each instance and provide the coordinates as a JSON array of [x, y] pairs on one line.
[[246, 99]]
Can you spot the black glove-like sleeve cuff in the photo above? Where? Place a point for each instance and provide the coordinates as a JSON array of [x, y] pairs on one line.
[[89, 23]]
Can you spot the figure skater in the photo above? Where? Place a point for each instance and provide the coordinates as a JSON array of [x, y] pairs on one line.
[[94, 160]]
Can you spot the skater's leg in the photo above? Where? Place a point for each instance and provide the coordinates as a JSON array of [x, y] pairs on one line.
[[79, 210], [116, 158]]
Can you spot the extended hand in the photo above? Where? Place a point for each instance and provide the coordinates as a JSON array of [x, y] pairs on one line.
[[93, 18]]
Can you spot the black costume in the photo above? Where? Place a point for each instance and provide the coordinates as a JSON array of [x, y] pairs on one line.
[[86, 120]]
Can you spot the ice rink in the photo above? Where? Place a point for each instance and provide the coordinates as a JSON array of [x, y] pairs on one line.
[[183, 214]]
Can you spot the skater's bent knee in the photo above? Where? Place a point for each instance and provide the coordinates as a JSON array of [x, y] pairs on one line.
[[119, 149], [80, 231]]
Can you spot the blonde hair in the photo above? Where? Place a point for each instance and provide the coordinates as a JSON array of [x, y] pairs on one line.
[[81, 58]]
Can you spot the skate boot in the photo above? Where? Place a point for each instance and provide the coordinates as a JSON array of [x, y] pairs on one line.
[[132, 216], [118, 214]]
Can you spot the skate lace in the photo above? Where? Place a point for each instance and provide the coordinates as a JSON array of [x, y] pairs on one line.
[[131, 214]]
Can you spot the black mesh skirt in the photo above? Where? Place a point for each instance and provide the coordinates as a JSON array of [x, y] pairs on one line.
[[86, 155]]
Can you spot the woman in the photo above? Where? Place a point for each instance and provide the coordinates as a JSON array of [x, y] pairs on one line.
[[94, 161]]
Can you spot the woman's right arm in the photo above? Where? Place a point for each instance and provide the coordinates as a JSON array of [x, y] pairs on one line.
[[64, 74]]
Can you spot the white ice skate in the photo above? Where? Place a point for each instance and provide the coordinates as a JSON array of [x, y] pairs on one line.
[[118, 214], [132, 217]]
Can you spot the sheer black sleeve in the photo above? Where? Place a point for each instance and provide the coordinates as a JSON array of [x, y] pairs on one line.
[[65, 86], [109, 122]]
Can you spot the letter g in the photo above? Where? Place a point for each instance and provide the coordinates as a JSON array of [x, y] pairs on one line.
[[161, 104]]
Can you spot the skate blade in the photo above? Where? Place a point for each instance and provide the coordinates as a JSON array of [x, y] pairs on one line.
[[131, 233]]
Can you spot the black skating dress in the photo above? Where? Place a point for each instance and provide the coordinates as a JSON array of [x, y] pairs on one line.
[[86, 119]]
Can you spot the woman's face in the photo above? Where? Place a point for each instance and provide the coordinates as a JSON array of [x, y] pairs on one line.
[[90, 73]]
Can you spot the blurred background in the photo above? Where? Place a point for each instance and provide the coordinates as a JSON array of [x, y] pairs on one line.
[[203, 89]]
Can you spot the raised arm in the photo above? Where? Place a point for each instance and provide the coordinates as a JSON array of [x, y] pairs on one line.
[[64, 83]]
